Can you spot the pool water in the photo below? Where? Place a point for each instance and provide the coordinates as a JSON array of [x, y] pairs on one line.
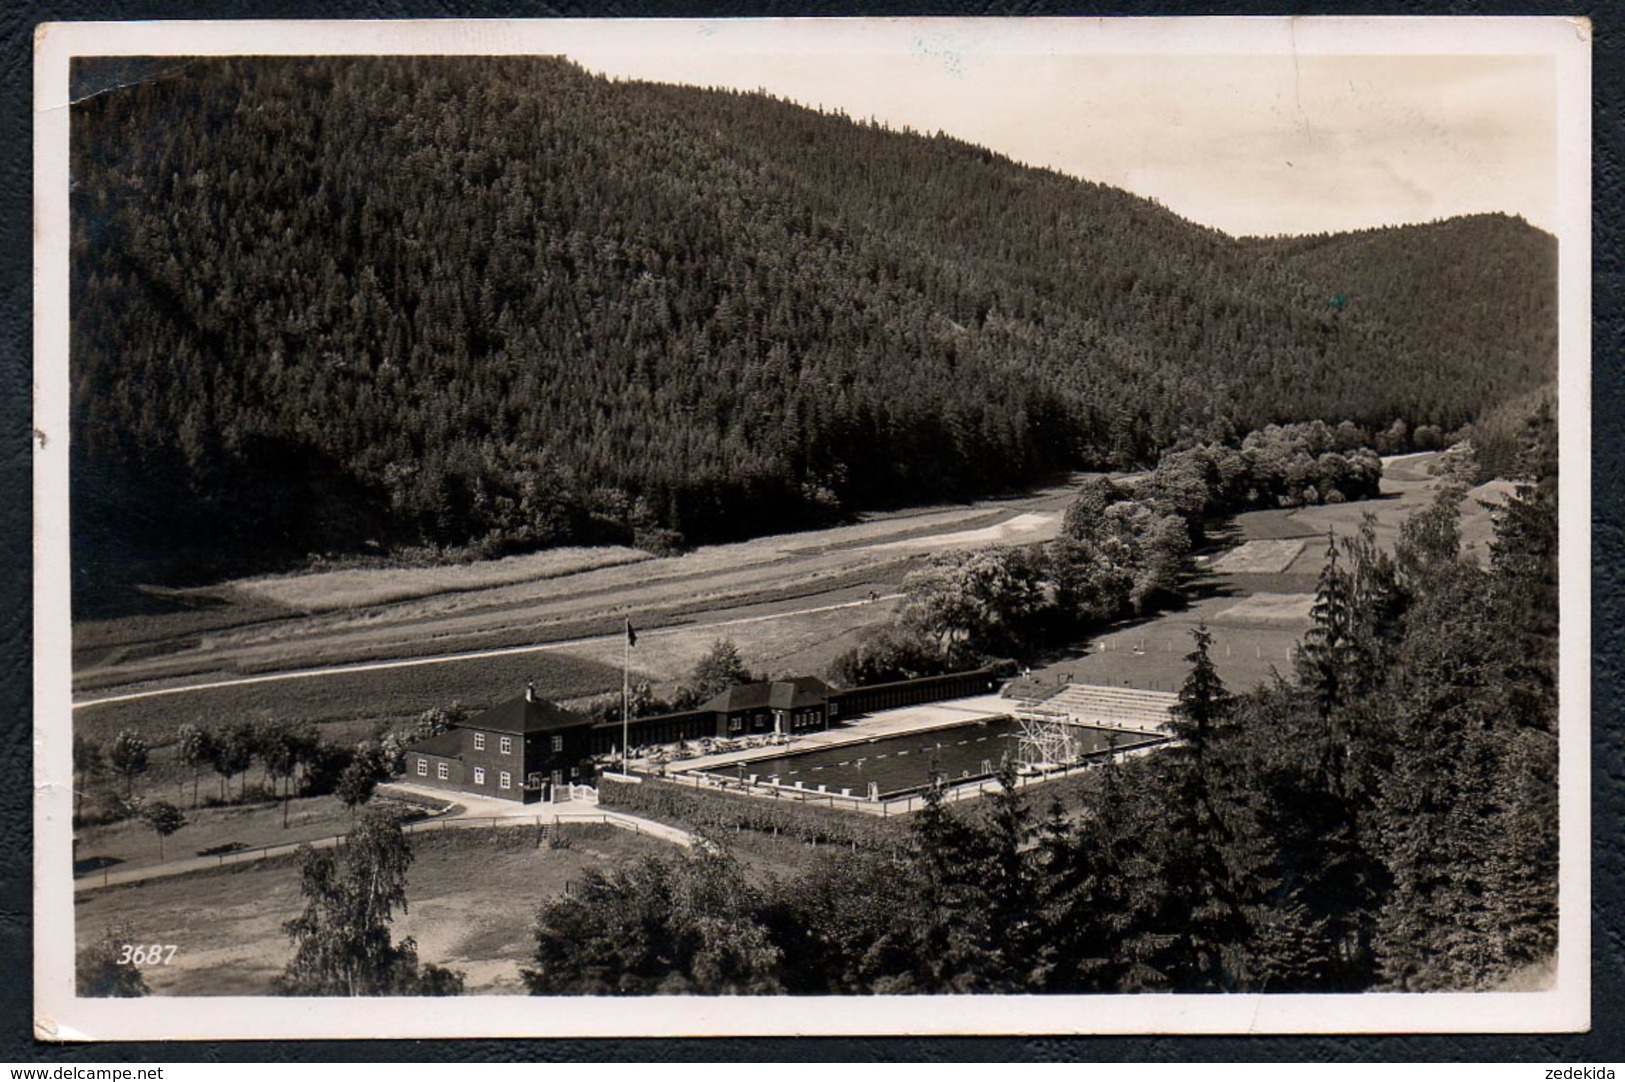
[[905, 763]]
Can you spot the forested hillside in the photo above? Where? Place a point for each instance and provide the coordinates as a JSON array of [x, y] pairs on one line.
[[327, 304]]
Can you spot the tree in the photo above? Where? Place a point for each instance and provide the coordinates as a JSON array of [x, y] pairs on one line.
[[1089, 587], [164, 818], [1010, 879], [195, 748], [1195, 850], [973, 602], [101, 970], [232, 753], [720, 669], [943, 928], [324, 765], [87, 764], [1430, 540], [279, 752], [342, 944], [884, 654], [658, 926], [358, 780], [1203, 699], [1324, 655], [128, 757]]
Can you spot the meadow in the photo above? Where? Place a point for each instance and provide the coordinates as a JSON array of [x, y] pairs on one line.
[[326, 591], [348, 705], [227, 924], [1254, 590]]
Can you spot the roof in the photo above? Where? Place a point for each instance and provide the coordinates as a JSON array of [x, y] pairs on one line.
[[522, 715], [792, 694], [447, 745]]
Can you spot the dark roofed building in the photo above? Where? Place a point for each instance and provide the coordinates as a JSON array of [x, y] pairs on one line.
[[796, 705], [525, 714], [517, 750]]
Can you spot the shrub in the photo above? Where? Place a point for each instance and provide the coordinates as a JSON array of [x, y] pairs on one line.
[[713, 813]]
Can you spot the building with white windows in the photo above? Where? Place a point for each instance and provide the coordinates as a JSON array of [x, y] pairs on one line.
[[517, 750]]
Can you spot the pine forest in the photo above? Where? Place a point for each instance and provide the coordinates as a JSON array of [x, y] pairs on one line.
[[349, 305]]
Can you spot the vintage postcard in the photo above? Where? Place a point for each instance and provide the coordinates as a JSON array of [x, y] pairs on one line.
[[854, 526]]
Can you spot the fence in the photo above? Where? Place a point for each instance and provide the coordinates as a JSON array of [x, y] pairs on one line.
[[711, 811], [925, 689], [902, 804], [655, 729]]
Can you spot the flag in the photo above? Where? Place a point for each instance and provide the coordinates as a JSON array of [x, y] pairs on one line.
[[631, 634]]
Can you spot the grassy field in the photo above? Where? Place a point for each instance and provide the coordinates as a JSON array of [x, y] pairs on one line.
[[470, 607], [177, 620], [794, 645], [1151, 656], [325, 591], [347, 705], [1267, 610], [1267, 557], [1254, 597], [227, 925], [133, 844]]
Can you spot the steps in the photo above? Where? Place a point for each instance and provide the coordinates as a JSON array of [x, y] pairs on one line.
[[1093, 704]]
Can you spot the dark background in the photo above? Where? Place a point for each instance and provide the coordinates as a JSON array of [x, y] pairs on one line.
[[1605, 1043]]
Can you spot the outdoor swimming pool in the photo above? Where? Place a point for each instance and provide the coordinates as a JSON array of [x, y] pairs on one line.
[[904, 763]]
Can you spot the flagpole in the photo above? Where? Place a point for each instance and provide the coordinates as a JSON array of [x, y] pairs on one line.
[[626, 696]]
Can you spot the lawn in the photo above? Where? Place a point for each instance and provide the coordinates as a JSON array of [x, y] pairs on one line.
[[133, 844], [1270, 556], [1267, 610], [1260, 591], [1151, 656], [227, 925]]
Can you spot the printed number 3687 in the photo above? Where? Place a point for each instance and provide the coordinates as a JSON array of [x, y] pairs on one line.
[[142, 954]]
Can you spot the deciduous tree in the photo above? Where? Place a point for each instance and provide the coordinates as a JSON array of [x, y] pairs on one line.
[[342, 943], [164, 819], [128, 757]]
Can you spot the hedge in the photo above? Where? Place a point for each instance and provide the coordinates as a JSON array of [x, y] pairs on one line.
[[711, 813]]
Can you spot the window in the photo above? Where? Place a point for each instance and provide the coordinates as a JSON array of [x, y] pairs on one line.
[[558, 743], [479, 775], [506, 780], [441, 772], [423, 768], [575, 772], [507, 745], [479, 741], [736, 724]]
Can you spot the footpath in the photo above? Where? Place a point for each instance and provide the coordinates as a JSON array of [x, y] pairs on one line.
[[472, 813]]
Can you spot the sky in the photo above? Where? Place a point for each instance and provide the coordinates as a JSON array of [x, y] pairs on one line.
[[1265, 142]]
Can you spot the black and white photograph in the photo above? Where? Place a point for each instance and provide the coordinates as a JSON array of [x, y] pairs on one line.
[[812, 526]]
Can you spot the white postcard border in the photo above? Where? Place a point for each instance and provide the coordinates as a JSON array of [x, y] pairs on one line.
[[60, 1015]]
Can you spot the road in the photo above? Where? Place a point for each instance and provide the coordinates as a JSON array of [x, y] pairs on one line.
[[720, 585]]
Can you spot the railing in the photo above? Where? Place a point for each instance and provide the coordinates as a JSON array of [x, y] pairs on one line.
[[900, 804]]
